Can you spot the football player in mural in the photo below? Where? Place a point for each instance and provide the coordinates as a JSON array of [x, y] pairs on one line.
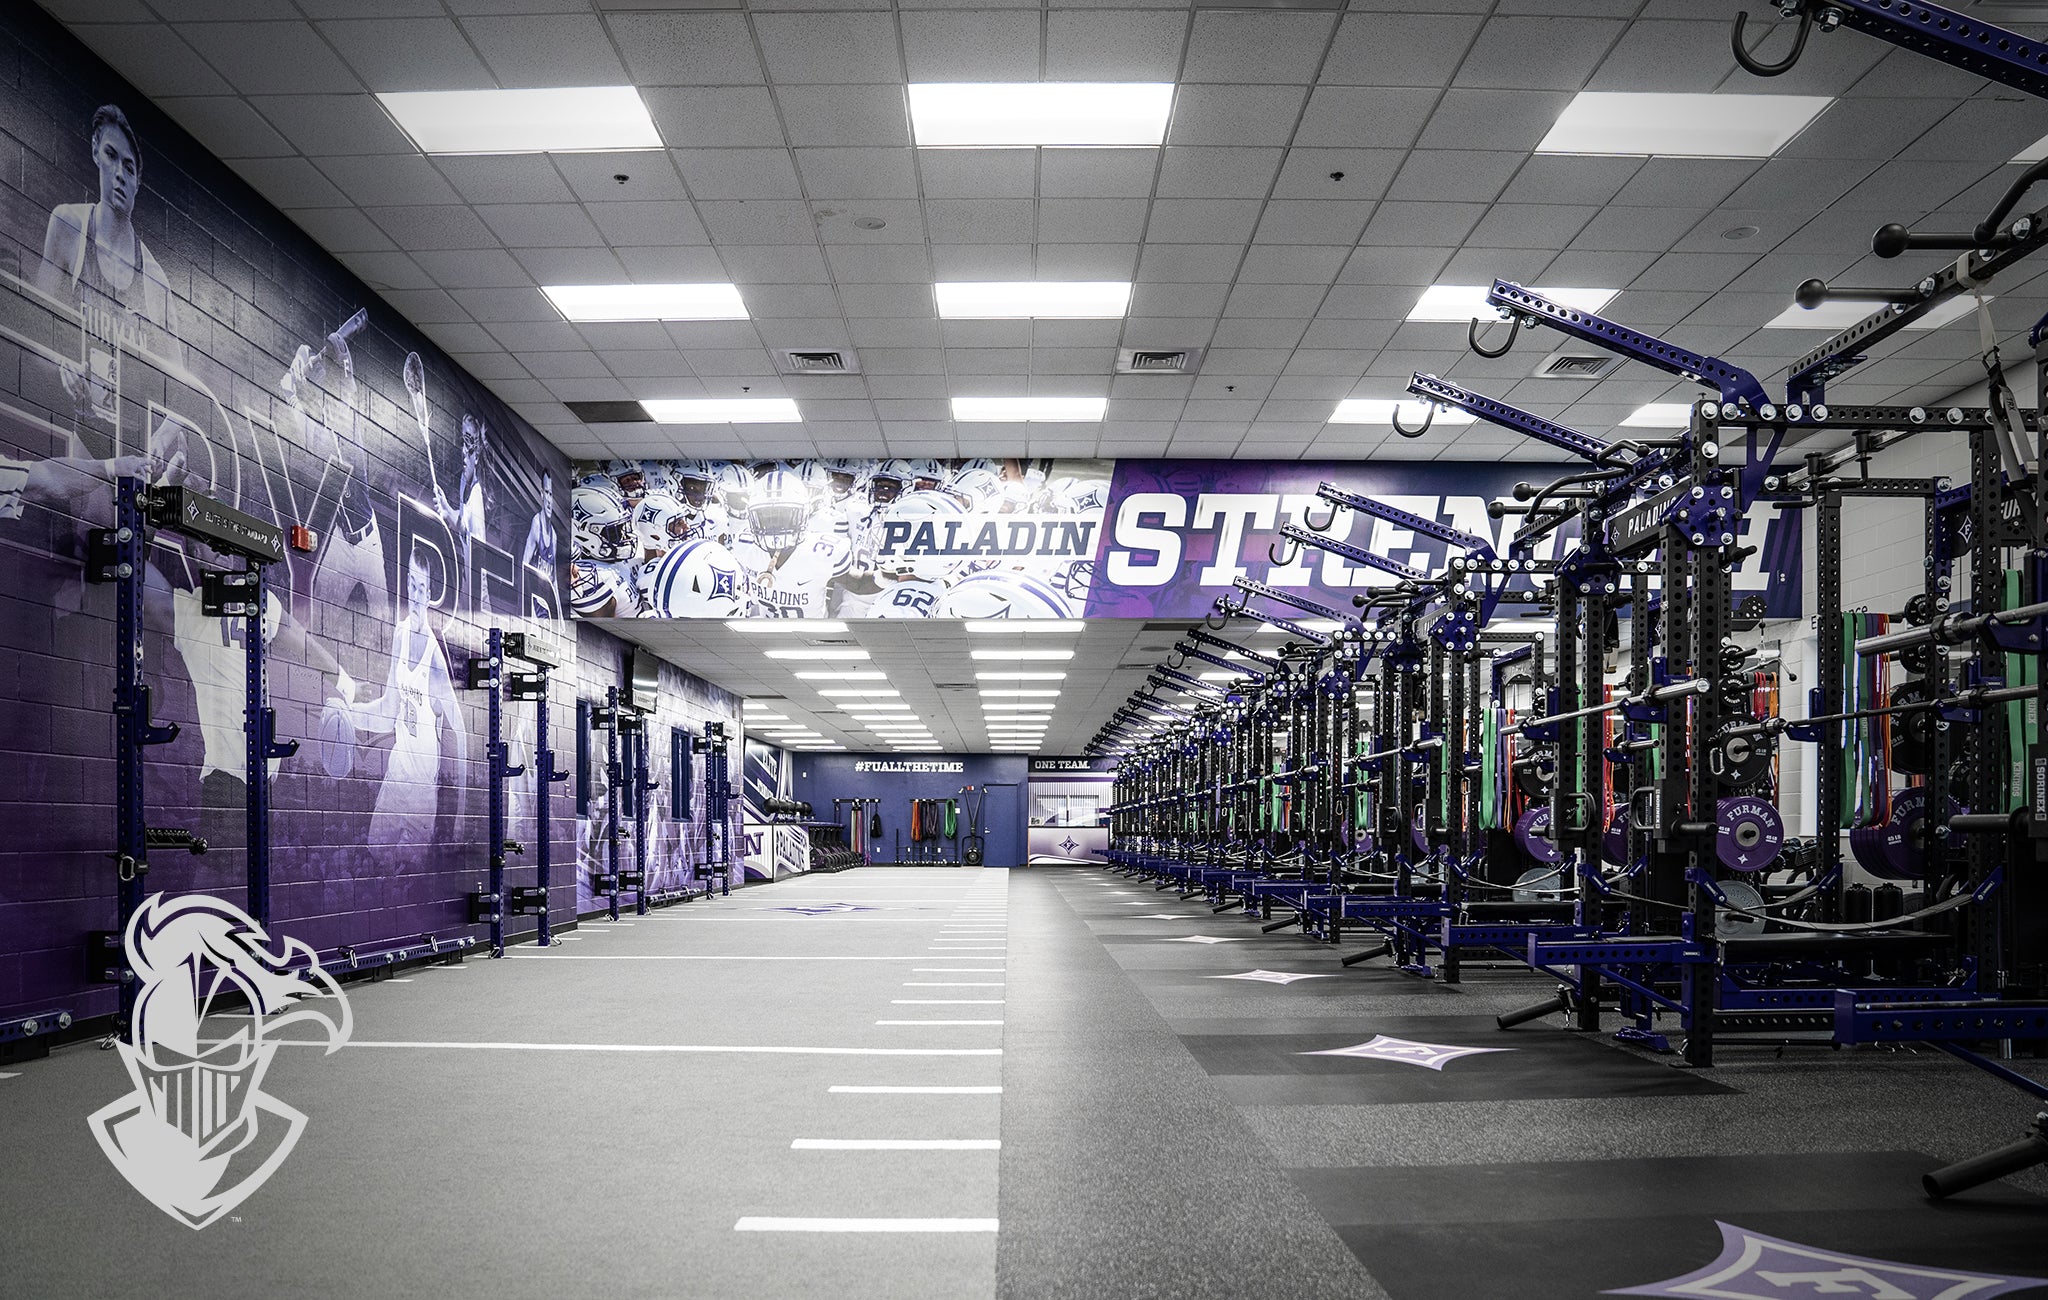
[[417, 704], [791, 560], [603, 582], [94, 260], [911, 586]]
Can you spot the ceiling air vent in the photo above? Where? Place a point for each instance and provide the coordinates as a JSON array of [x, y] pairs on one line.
[[817, 361], [609, 412], [1152, 361], [1577, 365]]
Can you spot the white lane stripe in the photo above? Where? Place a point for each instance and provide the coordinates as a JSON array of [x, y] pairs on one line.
[[690, 956], [670, 1047], [946, 1002], [919, 1088], [938, 1022], [955, 984], [897, 1144], [17, 1076], [758, 1223], [396, 980], [958, 970]]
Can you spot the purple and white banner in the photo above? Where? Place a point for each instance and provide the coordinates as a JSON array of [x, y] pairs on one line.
[[1018, 538]]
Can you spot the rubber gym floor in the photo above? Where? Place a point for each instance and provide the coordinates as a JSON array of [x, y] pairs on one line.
[[708, 1101]]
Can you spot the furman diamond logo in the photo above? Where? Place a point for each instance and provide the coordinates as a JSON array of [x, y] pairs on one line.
[[1430, 1056], [1752, 1266], [197, 1136]]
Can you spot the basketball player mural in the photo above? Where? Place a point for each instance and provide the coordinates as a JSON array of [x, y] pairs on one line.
[[418, 703]]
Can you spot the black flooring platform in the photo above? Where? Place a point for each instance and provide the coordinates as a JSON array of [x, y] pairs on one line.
[[1038, 1084]]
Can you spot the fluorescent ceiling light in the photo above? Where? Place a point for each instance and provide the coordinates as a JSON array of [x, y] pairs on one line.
[[1660, 415], [857, 706], [857, 692], [1375, 410], [988, 691], [815, 654], [1021, 654], [615, 302], [1042, 409], [766, 717], [991, 706], [1680, 125], [828, 675], [1017, 677], [1025, 625], [2033, 153], [809, 627], [722, 410], [1458, 303], [1841, 315], [996, 115], [564, 119], [1014, 299]]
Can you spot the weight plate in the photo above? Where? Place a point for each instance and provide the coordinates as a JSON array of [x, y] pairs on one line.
[[1912, 733], [1532, 833], [1920, 610], [1749, 833], [1539, 884], [1728, 925], [1739, 760]]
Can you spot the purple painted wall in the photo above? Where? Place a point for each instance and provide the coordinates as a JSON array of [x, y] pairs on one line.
[[164, 321]]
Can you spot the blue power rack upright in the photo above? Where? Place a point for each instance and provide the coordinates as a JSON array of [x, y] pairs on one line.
[[120, 556], [717, 864], [494, 675]]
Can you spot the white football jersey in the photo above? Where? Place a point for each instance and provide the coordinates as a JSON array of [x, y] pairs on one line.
[[798, 586], [906, 600]]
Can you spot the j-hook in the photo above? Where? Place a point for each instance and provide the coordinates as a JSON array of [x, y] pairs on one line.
[[1515, 326], [1756, 67], [1273, 552], [1428, 418]]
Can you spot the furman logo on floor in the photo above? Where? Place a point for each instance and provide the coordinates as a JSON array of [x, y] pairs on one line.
[[198, 1136]]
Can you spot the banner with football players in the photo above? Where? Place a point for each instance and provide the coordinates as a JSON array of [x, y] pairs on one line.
[[1034, 538]]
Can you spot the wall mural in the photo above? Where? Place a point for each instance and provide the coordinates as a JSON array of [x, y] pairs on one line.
[[158, 321], [1018, 538]]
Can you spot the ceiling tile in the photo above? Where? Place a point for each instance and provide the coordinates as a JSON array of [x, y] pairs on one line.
[[1530, 225], [571, 265], [595, 177], [892, 264], [1445, 175], [672, 265], [984, 173], [1406, 49], [1291, 222], [1492, 119], [982, 262], [341, 230], [271, 58], [323, 125], [978, 45], [627, 224], [290, 183], [504, 178], [1428, 224], [720, 174], [774, 263], [389, 179], [1113, 45], [1218, 173], [845, 115], [830, 49], [408, 54], [475, 268], [227, 126], [1666, 56], [1094, 173], [1246, 115], [538, 225], [1202, 221], [704, 117], [857, 173], [1090, 221], [686, 49], [1359, 117], [557, 49], [1514, 53], [1262, 46]]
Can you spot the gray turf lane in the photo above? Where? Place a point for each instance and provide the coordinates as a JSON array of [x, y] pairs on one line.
[[507, 1172]]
